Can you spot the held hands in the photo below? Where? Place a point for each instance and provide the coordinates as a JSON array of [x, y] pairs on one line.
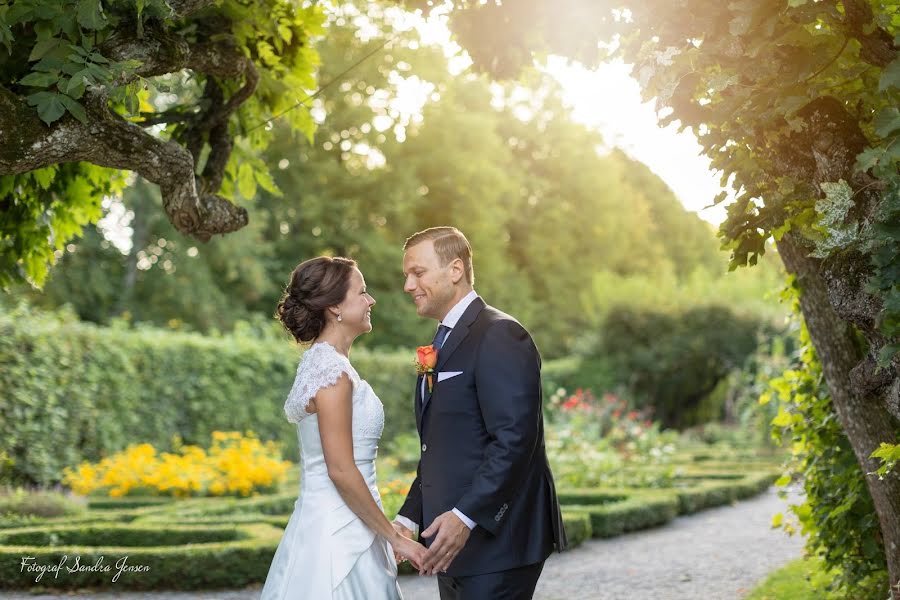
[[451, 535], [406, 548]]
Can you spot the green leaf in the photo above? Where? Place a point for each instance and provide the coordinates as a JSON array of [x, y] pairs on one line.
[[796, 3], [43, 47], [74, 108], [76, 85], [886, 354], [39, 79], [90, 14], [887, 121], [132, 102], [868, 158], [782, 419], [48, 63], [285, 32], [890, 77], [265, 181], [246, 181], [49, 107], [44, 177]]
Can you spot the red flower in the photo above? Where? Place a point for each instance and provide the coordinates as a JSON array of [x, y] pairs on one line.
[[570, 403]]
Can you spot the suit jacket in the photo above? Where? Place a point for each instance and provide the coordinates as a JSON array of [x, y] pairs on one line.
[[482, 435]]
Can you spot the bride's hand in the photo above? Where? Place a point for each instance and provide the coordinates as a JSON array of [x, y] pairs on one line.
[[405, 532], [410, 550]]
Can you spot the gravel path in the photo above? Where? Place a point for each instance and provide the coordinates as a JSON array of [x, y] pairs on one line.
[[719, 553]]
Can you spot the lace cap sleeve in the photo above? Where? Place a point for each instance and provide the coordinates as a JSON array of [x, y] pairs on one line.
[[321, 366]]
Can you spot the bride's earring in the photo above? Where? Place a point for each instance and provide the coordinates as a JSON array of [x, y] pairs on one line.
[[339, 318]]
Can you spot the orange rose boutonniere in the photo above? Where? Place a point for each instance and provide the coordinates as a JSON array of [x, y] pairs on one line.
[[426, 359]]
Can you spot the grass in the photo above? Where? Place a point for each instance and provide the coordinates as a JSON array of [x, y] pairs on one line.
[[801, 579]]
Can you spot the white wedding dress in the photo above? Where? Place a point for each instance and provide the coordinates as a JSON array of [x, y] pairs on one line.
[[326, 550]]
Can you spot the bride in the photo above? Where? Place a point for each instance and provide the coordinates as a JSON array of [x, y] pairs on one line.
[[337, 543]]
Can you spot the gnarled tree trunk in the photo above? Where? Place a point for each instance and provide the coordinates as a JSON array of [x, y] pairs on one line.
[[862, 411]]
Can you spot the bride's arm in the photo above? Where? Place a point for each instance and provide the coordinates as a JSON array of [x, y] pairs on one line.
[[334, 406]]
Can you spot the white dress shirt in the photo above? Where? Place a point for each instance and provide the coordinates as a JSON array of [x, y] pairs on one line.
[[450, 320]]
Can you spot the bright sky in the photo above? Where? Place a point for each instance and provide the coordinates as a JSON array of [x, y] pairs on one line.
[[608, 100]]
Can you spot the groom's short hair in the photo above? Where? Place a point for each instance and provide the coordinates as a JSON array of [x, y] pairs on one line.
[[449, 244]]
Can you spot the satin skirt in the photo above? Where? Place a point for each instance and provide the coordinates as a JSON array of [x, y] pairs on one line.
[[327, 551]]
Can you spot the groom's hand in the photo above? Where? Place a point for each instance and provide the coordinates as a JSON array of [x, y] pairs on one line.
[[451, 534]]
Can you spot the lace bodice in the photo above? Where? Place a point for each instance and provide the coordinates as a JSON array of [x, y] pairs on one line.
[[321, 366]]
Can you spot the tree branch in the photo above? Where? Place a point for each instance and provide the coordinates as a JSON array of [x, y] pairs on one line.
[[183, 8], [110, 141], [877, 45]]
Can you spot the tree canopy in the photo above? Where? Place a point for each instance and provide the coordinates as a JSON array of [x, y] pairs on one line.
[[176, 91]]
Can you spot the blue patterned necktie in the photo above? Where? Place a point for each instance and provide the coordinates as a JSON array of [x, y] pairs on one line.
[[439, 336]]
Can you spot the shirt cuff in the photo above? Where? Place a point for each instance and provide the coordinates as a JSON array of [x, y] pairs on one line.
[[469, 522], [414, 527]]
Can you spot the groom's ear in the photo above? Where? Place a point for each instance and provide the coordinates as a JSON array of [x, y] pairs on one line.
[[457, 270]]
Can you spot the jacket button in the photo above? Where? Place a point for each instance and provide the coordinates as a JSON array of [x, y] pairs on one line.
[[424, 447]]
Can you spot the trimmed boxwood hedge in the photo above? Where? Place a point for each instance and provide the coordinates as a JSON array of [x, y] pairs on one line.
[[716, 493], [208, 543], [117, 535], [128, 502], [641, 510], [616, 511], [194, 566]]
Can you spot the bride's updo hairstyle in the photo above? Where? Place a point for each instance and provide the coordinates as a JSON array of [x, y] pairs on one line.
[[315, 285]]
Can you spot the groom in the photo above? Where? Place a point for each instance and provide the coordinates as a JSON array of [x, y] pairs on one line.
[[483, 485]]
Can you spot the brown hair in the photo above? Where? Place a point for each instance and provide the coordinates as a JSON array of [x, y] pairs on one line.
[[449, 244], [315, 285]]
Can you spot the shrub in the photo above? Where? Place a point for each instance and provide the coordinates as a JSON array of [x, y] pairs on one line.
[[82, 392]]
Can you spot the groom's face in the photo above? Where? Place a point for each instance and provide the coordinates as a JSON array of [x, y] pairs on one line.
[[427, 281]]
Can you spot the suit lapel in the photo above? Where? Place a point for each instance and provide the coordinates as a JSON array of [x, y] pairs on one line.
[[456, 336]]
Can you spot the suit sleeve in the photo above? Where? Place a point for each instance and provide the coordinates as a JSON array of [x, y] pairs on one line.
[[508, 383]]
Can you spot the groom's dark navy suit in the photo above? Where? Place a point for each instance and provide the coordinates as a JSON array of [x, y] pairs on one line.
[[482, 435]]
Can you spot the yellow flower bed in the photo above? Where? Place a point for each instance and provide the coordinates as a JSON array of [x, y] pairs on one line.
[[235, 464]]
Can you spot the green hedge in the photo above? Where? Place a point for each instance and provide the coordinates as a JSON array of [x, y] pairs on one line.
[[194, 566], [235, 538], [615, 511], [118, 535], [640, 510], [716, 493], [578, 526], [73, 391]]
